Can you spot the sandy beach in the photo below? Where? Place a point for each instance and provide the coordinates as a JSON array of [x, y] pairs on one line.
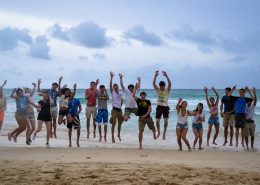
[[126, 166]]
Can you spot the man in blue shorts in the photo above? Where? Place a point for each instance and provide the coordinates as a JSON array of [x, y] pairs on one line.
[[102, 116]]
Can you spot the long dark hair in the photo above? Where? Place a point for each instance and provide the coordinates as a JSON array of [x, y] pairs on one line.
[[201, 104]]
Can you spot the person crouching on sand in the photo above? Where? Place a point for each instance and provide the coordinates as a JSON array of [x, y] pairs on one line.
[[144, 110], [213, 110], [182, 123], [74, 108], [44, 115], [197, 126]]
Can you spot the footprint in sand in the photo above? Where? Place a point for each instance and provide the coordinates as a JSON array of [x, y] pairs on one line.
[[88, 157]]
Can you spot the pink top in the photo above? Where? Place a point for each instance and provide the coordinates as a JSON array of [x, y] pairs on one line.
[[91, 97]]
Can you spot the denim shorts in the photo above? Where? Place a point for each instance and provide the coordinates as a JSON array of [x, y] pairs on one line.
[[197, 126], [181, 126], [213, 120]]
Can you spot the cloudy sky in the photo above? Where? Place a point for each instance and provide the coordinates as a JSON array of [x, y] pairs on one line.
[[198, 42]]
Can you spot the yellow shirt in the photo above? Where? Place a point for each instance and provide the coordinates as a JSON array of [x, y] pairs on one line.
[[162, 97]]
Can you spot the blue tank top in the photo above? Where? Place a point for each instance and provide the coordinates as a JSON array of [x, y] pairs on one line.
[[21, 104]]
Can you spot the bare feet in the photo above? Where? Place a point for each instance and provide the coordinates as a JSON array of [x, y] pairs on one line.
[[70, 145], [54, 134], [94, 134], [100, 138], [88, 135], [113, 139], [119, 137], [78, 144], [207, 143], [225, 143], [9, 136], [164, 136], [158, 135], [14, 138], [105, 138], [231, 144], [140, 147], [200, 148], [214, 142], [154, 136]]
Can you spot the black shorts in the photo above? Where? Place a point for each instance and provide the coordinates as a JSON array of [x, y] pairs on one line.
[[162, 110], [240, 120], [75, 123], [63, 112], [43, 117]]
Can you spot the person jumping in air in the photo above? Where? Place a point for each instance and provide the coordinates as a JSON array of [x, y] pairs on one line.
[[213, 118], [130, 103], [116, 114], [182, 123], [144, 111], [162, 102], [197, 126], [74, 109], [2, 104], [250, 123], [102, 116], [240, 111]]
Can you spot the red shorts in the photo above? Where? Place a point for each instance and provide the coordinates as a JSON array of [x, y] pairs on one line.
[[2, 116]]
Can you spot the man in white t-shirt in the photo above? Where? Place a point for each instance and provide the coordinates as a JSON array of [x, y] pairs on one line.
[[130, 103], [116, 114]]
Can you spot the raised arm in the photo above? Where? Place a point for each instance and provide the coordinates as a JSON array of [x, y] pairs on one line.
[[111, 81], [255, 97], [59, 87], [217, 101], [135, 90], [12, 94], [154, 80], [178, 105], [207, 97], [232, 90], [121, 81], [2, 86], [138, 83], [168, 80], [74, 88], [33, 89], [95, 86]]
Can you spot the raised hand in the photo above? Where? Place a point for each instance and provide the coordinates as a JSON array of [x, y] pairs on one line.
[[254, 90], [138, 79], [112, 74], [121, 75], [213, 88], [97, 81], [34, 85], [246, 88], [5, 82], [164, 73], [75, 86], [234, 87], [39, 81], [60, 79], [205, 88], [156, 73]]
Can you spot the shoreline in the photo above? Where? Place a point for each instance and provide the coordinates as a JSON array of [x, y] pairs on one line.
[[126, 166]]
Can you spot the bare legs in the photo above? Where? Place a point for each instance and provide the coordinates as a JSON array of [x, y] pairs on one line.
[[226, 135], [70, 134], [198, 136], [158, 127], [215, 135], [22, 123], [100, 134], [113, 131], [181, 134], [243, 136]]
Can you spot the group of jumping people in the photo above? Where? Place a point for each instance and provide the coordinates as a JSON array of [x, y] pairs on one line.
[[236, 111]]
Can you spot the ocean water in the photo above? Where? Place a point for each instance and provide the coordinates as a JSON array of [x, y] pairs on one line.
[[130, 129]]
